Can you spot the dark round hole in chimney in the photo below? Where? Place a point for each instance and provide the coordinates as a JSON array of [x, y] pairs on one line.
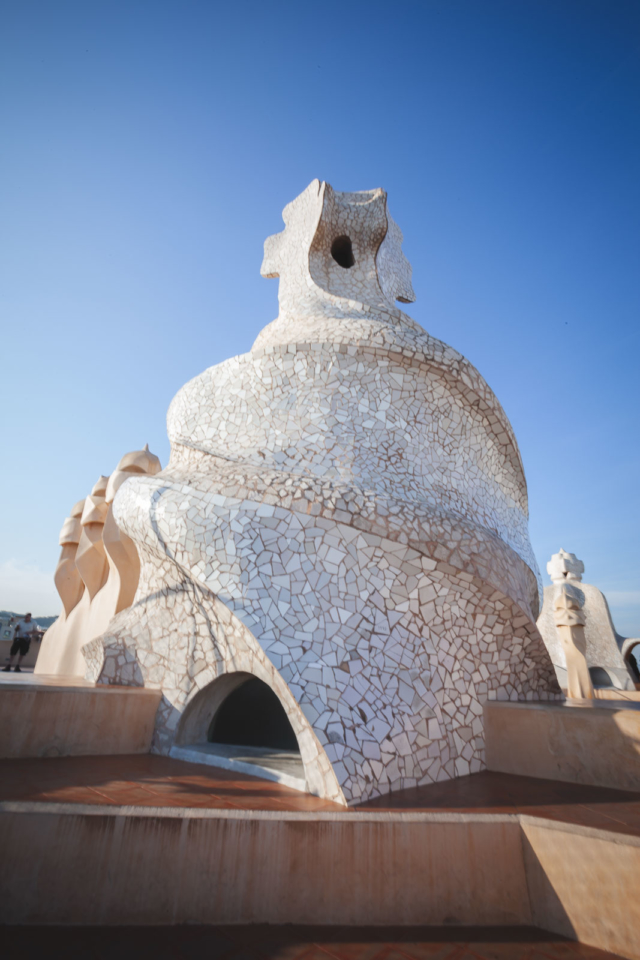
[[342, 252]]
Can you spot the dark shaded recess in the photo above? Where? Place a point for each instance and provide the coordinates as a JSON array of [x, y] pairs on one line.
[[342, 252], [632, 663], [600, 677], [252, 716]]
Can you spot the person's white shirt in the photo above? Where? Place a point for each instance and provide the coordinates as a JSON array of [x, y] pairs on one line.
[[24, 628]]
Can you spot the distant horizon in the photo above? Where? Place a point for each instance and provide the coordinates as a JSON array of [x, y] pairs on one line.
[[34, 616]]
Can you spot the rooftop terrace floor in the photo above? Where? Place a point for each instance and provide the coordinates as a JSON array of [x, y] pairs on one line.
[[146, 781], [155, 781], [293, 943]]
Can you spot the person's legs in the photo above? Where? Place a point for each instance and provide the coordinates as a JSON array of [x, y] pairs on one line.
[[23, 651], [15, 649]]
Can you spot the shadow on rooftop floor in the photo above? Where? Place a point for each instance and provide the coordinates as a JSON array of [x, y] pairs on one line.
[[293, 943]]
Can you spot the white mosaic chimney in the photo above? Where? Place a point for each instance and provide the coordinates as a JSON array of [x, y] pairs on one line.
[[344, 516]]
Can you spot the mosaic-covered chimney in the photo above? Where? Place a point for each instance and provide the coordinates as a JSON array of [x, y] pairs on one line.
[[344, 518]]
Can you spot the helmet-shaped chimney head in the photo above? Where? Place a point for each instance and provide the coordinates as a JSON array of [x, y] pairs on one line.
[[565, 566], [341, 247]]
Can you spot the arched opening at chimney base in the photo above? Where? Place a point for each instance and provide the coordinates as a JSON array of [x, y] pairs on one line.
[[238, 723], [252, 716], [632, 661], [600, 677]]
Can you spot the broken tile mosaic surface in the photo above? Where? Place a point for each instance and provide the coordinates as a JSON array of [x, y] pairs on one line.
[[344, 515]]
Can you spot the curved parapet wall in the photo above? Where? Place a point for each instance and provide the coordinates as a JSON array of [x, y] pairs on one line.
[[352, 494]]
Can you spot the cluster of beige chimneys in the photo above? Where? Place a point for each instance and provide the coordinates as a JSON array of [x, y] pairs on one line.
[[98, 571]]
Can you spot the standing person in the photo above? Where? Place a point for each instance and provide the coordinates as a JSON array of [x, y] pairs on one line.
[[23, 632]]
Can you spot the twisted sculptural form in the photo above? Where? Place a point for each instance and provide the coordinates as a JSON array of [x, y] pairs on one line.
[[344, 516], [91, 559], [67, 579], [598, 647], [97, 575], [85, 567], [121, 551]]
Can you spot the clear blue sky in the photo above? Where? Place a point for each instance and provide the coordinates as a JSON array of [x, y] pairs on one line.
[[148, 148]]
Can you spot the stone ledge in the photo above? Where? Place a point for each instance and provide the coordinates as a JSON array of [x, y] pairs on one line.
[[284, 767], [588, 741], [43, 719], [83, 864]]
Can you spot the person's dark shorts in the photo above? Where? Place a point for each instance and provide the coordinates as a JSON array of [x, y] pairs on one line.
[[20, 645]]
